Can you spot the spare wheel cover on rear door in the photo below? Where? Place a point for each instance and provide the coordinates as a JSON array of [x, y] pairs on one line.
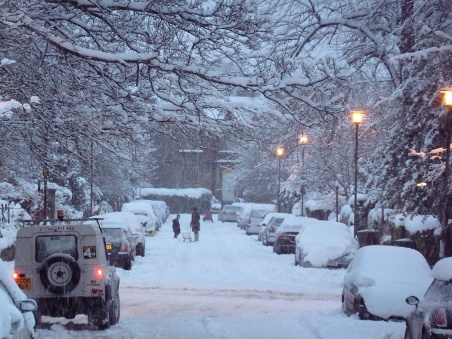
[[60, 274]]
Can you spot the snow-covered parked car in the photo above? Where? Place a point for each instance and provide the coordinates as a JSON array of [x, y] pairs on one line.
[[145, 213], [228, 213], [323, 243], [380, 277], [215, 205], [16, 317], [269, 226], [256, 214], [286, 233], [136, 234], [161, 209], [432, 316]]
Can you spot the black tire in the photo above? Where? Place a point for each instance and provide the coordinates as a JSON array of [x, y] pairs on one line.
[[102, 316], [425, 335], [128, 263], [360, 307], [115, 308], [140, 250], [60, 274], [143, 250]]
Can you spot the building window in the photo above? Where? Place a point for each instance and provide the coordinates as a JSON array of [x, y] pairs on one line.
[[191, 177]]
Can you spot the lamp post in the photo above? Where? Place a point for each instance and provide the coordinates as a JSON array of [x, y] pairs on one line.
[[445, 215], [357, 118], [45, 174], [279, 154], [302, 140]]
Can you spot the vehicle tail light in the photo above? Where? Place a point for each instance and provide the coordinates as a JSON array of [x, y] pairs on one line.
[[272, 230], [99, 272], [249, 221], [15, 275], [123, 246], [441, 318]]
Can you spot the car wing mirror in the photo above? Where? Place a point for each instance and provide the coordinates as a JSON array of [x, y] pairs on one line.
[[28, 305], [412, 300]]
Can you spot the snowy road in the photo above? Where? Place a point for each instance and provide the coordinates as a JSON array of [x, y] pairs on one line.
[[227, 285]]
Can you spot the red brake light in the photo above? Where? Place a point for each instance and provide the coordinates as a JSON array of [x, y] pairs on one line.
[[272, 230], [441, 318], [123, 247], [15, 275], [99, 272]]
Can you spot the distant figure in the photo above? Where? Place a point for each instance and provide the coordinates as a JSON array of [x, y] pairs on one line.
[[195, 223], [176, 226], [208, 216]]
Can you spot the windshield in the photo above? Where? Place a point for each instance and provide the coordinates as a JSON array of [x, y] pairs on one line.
[[232, 208], [258, 214], [113, 232], [439, 291], [48, 245]]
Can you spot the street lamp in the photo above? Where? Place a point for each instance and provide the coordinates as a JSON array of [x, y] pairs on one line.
[[357, 118], [302, 140], [279, 154], [445, 217], [45, 174]]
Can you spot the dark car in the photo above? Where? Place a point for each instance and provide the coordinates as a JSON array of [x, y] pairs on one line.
[[432, 317], [285, 234], [119, 250]]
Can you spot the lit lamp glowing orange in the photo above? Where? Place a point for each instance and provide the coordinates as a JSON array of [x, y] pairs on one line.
[[447, 96], [279, 153], [302, 139], [357, 118]]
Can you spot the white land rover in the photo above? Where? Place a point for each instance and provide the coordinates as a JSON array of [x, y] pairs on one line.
[[64, 268]]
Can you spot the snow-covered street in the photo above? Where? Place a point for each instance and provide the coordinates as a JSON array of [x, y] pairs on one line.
[[227, 285]]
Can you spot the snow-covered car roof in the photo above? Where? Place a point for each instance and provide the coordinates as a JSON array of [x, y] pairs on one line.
[[386, 276], [139, 207], [10, 314], [127, 220], [270, 215], [292, 223], [321, 241], [443, 269]]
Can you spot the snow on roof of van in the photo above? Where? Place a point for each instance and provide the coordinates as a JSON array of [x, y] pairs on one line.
[[184, 192]]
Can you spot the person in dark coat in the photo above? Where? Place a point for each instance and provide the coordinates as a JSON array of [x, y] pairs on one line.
[[176, 226], [195, 223]]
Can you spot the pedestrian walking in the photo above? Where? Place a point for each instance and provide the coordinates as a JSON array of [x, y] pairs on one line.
[[195, 223], [176, 226]]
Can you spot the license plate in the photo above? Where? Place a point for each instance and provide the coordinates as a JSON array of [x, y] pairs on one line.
[[333, 263], [24, 283], [108, 246]]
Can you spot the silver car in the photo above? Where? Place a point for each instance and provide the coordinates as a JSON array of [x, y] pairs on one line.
[[269, 236], [228, 213]]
